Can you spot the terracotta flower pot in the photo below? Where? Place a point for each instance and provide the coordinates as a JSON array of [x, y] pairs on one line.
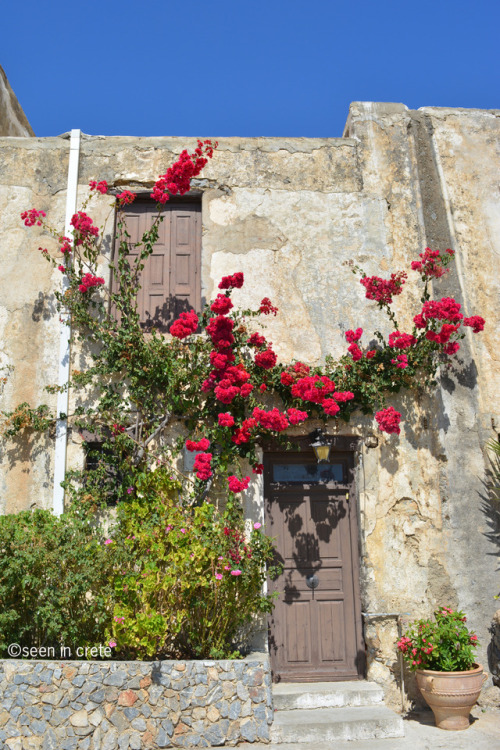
[[451, 695]]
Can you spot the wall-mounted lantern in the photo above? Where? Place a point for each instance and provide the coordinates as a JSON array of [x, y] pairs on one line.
[[321, 445]]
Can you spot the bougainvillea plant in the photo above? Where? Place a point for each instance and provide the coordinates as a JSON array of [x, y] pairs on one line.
[[216, 375], [443, 645]]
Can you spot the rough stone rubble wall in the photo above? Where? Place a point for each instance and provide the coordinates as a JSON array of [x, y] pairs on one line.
[[109, 705], [293, 214], [13, 121]]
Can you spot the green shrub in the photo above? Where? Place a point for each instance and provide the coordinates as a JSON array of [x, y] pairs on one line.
[[192, 580], [55, 581]]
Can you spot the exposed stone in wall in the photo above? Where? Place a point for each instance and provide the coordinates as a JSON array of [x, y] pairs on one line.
[[13, 121], [119, 705]]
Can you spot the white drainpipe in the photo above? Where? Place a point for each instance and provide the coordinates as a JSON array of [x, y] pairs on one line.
[[65, 334]]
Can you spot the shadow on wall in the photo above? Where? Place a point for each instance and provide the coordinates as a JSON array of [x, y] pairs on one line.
[[490, 506]]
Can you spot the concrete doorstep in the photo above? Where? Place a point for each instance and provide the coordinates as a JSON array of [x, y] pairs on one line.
[[420, 733]]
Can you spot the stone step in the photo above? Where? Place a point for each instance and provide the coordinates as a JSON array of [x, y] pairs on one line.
[[288, 696], [329, 724]]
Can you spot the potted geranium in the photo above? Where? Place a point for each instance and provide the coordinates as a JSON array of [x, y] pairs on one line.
[[441, 653]]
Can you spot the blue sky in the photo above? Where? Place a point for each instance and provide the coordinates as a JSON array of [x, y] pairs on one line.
[[261, 68]]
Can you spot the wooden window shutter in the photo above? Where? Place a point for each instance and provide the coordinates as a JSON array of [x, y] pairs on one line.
[[170, 281]]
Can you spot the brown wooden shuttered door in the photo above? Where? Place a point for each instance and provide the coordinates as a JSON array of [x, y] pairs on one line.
[[170, 281]]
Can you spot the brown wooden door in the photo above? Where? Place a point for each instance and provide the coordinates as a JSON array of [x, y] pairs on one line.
[[315, 629]]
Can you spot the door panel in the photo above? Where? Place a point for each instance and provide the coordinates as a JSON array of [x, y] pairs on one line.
[[315, 629]]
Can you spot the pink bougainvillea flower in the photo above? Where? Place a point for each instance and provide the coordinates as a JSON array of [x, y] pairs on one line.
[[236, 572], [101, 187], [33, 217], [202, 466], [112, 644], [257, 525], [232, 282], [201, 445], [88, 281], [108, 541], [185, 325], [267, 308], [183, 531], [218, 576], [221, 305], [388, 420], [476, 322], [225, 419], [235, 485], [353, 336]]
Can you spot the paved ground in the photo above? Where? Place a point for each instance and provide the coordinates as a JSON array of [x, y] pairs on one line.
[[420, 734]]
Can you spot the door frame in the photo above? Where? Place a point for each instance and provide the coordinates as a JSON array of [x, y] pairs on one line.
[[344, 445]]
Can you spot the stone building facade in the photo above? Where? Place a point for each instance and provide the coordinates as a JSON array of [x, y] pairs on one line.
[[293, 214]]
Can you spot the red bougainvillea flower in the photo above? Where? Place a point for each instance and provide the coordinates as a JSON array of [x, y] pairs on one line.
[[220, 361], [101, 187], [201, 445], [476, 322], [61, 269], [370, 353], [89, 281], [266, 359], [84, 227], [242, 434], [202, 466], [451, 348], [343, 396], [267, 308], [432, 264], [232, 282], [256, 340], [383, 290], [353, 336], [388, 420], [258, 469], [446, 308], [177, 178], [400, 340], [66, 246], [33, 217], [443, 336], [401, 361], [262, 387], [295, 416], [225, 392], [286, 378], [271, 420], [185, 325], [330, 406], [220, 331], [125, 198], [221, 305], [225, 419], [313, 388], [235, 485], [355, 352]]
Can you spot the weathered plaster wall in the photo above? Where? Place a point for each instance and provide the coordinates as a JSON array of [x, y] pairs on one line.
[[430, 536], [13, 121], [293, 214]]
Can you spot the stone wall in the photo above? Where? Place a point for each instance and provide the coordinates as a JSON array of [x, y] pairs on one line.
[[81, 705]]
